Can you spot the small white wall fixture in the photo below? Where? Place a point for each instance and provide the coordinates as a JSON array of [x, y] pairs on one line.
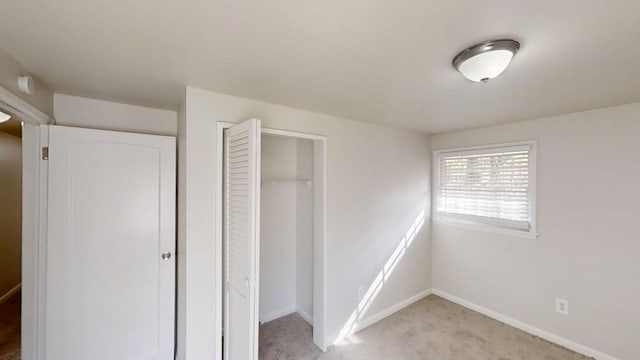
[[319, 236]]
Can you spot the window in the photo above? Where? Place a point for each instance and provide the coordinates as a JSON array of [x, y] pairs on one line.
[[489, 186]]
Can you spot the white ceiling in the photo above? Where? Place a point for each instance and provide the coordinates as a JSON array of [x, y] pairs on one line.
[[381, 61]]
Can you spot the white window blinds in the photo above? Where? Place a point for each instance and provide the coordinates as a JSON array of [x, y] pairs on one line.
[[488, 186]]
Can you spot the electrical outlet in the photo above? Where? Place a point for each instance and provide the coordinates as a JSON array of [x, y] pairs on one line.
[[360, 293], [562, 306]]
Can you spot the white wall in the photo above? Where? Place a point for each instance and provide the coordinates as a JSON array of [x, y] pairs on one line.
[[197, 280], [304, 229], [378, 183], [587, 253], [278, 227], [10, 211], [97, 114]]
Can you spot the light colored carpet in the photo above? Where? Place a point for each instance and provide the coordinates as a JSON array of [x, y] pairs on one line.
[[10, 329], [431, 329]]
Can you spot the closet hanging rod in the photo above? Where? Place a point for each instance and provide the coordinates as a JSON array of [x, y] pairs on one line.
[[307, 182]]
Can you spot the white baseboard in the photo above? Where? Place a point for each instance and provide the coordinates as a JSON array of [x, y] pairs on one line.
[[277, 314], [370, 320], [579, 348], [303, 314], [9, 293]]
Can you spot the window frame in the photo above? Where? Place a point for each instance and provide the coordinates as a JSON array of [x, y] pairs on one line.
[[466, 221]]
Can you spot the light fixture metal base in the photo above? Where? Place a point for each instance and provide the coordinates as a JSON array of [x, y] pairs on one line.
[[483, 47]]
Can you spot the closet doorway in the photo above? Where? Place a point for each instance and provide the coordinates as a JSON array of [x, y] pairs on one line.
[[285, 242]]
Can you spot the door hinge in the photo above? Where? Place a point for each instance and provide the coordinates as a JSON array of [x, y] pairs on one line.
[[45, 153]]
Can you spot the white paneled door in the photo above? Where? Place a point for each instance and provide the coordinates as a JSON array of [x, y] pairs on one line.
[[242, 237], [110, 264]]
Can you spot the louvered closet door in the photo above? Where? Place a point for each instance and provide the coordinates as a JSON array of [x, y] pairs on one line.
[[242, 224]]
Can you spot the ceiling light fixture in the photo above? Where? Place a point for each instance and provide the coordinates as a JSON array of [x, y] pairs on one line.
[[4, 117], [486, 60]]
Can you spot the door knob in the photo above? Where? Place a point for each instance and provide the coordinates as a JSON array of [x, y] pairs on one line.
[[166, 256]]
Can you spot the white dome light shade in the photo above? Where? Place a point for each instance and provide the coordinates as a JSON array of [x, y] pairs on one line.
[[4, 117], [487, 60], [486, 66]]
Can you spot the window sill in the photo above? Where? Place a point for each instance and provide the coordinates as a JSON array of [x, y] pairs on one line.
[[486, 228]]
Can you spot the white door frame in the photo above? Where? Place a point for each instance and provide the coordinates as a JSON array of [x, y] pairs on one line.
[[319, 236], [33, 199]]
